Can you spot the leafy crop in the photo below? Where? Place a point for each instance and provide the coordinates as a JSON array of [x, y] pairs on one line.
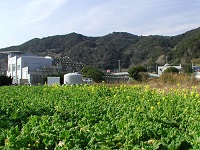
[[98, 117]]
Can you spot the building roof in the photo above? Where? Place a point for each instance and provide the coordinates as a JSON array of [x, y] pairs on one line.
[[8, 52], [120, 74]]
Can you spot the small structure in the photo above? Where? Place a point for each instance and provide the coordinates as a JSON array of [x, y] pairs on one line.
[[53, 80], [73, 78], [196, 69], [87, 80], [161, 69], [117, 77]]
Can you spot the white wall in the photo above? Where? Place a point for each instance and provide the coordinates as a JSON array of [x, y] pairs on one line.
[[35, 62], [25, 74], [53, 80], [161, 69], [12, 68], [20, 67]]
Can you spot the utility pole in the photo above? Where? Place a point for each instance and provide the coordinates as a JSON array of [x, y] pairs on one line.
[[166, 59], [119, 65], [156, 68]]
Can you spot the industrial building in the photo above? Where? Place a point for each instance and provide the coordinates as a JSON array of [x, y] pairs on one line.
[[25, 67]]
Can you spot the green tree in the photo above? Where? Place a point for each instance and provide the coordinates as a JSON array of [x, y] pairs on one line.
[[91, 72], [171, 70], [188, 69], [5, 80], [134, 72]]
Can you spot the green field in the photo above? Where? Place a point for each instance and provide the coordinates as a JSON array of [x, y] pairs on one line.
[[99, 117]]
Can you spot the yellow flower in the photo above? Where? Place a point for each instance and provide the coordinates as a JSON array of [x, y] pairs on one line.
[[185, 96], [152, 108], [192, 93], [146, 88], [185, 109], [138, 109], [194, 87], [93, 89]]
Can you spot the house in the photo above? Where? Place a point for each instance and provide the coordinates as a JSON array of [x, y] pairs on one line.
[[161, 69]]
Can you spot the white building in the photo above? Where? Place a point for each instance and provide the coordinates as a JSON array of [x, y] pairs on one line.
[[23, 67], [161, 69]]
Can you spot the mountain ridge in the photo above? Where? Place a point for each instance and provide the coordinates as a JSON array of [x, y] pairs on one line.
[[105, 51]]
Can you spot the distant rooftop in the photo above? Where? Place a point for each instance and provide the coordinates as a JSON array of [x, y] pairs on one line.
[[20, 53], [8, 52], [166, 65], [120, 73]]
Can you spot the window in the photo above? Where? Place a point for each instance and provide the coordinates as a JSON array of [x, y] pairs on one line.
[[13, 68], [9, 68], [18, 67]]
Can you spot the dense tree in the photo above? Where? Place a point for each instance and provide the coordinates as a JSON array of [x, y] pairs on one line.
[[134, 72], [91, 72], [5, 80], [188, 69]]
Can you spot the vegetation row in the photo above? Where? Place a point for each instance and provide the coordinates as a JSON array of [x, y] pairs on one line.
[[98, 117]]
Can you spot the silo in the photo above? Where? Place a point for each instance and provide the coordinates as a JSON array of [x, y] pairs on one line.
[[73, 78]]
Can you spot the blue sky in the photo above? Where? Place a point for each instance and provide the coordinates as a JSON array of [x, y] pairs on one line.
[[23, 20]]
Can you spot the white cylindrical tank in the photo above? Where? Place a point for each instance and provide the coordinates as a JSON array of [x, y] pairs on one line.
[[73, 78]]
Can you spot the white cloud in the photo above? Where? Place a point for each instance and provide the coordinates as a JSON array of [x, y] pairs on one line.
[[24, 20], [38, 10], [173, 23], [104, 18]]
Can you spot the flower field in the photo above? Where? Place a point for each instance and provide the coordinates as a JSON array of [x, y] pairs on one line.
[[99, 117]]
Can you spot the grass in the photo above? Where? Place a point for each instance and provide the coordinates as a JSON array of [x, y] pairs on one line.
[[168, 81]]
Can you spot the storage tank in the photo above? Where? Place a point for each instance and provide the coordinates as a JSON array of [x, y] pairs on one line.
[[73, 78]]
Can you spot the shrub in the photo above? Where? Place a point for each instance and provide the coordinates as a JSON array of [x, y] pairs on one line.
[[135, 72], [171, 70], [5, 80], [188, 69], [91, 72], [182, 79]]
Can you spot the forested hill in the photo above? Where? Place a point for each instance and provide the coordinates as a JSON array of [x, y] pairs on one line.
[[105, 51]]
